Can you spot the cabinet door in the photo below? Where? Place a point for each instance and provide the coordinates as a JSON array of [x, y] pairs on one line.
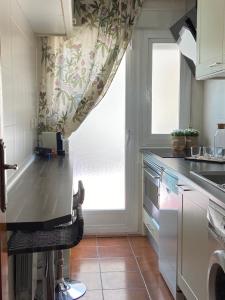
[[210, 37], [192, 246]]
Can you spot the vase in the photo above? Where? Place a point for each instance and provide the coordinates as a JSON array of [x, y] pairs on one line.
[[178, 143], [191, 141]]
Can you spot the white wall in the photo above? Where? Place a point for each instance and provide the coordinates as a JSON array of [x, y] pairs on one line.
[[197, 106], [214, 108], [18, 58], [196, 94], [161, 14]]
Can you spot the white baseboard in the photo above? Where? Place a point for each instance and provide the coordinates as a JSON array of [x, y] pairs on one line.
[[109, 230]]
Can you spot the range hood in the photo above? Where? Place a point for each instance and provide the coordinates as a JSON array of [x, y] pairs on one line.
[[184, 32]]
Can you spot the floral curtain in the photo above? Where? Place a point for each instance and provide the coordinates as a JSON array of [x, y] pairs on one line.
[[77, 72]]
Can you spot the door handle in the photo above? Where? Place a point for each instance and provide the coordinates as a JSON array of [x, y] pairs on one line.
[[4, 167], [11, 167]]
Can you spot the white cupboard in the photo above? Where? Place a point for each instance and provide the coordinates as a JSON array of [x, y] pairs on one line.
[[192, 245], [210, 39]]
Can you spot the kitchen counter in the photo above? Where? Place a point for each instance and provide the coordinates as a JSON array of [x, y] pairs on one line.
[[181, 168], [42, 197]]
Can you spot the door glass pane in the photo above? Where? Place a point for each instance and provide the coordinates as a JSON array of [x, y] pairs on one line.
[[98, 150], [165, 87]]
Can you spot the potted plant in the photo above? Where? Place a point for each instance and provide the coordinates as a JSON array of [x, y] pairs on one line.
[[191, 135], [178, 140]]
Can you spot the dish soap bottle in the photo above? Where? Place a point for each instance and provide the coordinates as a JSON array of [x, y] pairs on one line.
[[219, 141]]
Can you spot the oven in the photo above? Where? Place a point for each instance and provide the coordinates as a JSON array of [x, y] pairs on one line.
[[152, 176]]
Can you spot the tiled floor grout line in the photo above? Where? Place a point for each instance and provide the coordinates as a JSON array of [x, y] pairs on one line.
[[139, 269], [98, 257]]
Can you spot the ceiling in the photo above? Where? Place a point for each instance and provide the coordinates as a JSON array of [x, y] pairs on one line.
[[48, 17]]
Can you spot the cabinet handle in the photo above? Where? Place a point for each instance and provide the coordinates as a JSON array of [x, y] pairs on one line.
[[183, 187], [215, 64]]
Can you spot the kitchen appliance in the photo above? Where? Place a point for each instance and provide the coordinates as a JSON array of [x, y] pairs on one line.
[[168, 219], [152, 175], [216, 251], [184, 32]]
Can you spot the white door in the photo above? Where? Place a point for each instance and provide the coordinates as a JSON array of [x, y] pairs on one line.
[[105, 143], [3, 233]]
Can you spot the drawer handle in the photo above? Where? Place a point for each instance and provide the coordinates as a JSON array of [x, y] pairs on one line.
[[215, 64], [152, 176], [183, 188]]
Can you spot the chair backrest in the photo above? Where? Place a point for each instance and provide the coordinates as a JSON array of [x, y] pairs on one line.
[[78, 198], [81, 192]]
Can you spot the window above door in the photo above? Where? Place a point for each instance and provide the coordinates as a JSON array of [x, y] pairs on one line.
[[166, 92], [165, 86]]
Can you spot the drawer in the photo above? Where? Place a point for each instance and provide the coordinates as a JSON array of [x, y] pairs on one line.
[[152, 226]]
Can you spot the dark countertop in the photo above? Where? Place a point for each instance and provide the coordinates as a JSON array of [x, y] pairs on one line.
[[181, 168], [42, 197]]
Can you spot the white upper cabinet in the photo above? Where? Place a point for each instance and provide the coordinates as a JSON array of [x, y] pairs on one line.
[[210, 39]]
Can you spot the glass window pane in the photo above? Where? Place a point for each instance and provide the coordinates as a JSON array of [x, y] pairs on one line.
[[165, 87], [98, 149]]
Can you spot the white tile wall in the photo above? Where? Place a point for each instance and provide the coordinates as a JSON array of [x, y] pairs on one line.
[[214, 108], [19, 76]]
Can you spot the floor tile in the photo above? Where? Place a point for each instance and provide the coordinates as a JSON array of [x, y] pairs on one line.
[[88, 242], [138, 241], [118, 259], [152, 278], [91, 280], [156, 286], [118, 264], [92, 295], [146, 252], [148, 263], [122, 280], [112, 241], [114, 251], [84, 252], [84, 265], [126, 294], [160, 294]]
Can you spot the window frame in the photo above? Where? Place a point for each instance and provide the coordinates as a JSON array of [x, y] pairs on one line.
[[148, 138]]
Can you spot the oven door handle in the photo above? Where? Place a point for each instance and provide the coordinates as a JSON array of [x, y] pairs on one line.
[[154, 177]]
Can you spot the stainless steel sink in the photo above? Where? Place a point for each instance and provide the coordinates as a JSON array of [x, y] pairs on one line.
[[216, 178]]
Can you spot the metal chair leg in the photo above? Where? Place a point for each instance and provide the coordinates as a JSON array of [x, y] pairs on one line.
[[49, 272], [67, 289]]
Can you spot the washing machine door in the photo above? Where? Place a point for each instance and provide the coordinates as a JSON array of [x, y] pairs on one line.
[[216, 276]]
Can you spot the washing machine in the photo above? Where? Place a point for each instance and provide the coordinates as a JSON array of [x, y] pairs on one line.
[[216, 251]]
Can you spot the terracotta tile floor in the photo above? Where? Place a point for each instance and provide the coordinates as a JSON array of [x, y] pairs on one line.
[[118, 268]]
